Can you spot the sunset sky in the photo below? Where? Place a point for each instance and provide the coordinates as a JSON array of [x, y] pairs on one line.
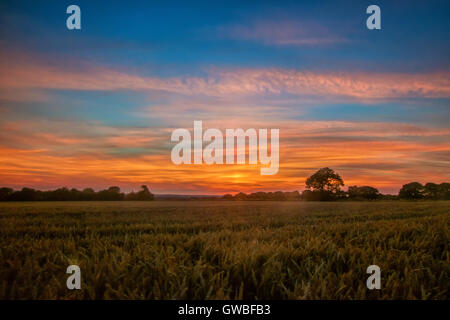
[[96, 107]]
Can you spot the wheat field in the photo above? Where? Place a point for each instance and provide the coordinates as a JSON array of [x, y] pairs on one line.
[[225, 249]]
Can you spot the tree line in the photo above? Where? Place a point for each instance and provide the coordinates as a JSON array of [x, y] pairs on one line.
[[274, 196], [64, 194], [325, 185]]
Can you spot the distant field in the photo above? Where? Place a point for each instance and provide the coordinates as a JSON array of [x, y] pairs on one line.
[[225, 250]]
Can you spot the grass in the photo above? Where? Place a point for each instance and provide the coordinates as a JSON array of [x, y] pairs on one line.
[[225, 250]]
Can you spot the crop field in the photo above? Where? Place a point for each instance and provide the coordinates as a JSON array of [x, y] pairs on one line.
[[225, 250]]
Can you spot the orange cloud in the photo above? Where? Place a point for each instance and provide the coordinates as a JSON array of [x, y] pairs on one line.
[[364, 153]]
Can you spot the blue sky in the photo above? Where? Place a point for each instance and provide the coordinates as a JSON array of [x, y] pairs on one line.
[[175, 38]]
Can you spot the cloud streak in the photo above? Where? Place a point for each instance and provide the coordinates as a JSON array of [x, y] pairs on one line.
[[282, 33], [238, 82]]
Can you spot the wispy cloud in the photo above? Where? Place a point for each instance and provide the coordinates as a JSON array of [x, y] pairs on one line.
[[282, 33], [233, 82]]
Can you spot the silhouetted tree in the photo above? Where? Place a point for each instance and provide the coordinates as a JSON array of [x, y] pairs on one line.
[[61, 194], [240, 196], [326, 185], [143, 195], [111, 194], [444, 191], [227, 197], [431, 191], [317, 195], [363, 193], [88, 194], [264, 196], [5, 193], [435, 191], [411, 191], [26, 194]]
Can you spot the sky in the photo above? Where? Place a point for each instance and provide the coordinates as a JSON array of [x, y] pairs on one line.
[[96, 107]]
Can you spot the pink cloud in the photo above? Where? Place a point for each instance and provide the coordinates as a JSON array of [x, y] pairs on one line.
[[240, 82]]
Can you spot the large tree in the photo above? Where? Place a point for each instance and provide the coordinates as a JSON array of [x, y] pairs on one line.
[[325, 179]]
